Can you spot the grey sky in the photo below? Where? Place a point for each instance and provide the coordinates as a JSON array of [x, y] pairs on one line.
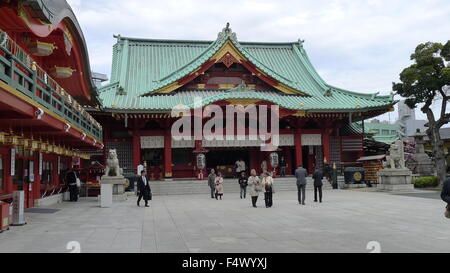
[[360, 45]]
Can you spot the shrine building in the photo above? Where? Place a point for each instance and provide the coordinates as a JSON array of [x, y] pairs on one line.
[[45, 82], [150, 77]]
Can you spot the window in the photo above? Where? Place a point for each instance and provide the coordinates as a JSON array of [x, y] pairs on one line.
[[385, 132], [47, 168], [393, 132]]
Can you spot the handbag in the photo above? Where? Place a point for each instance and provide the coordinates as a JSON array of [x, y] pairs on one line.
[[447, 212]]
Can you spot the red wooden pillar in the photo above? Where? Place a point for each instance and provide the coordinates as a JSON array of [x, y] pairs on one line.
[[288, 160], [298, 148], [326, 146], [168, 154], [136, 149]]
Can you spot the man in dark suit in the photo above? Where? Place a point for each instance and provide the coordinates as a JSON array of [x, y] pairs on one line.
[[300, 175], [318, 176], [71, 179], [144, 188]]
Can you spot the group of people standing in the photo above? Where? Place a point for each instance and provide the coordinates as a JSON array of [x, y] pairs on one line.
[[256, 184], [264, 184]]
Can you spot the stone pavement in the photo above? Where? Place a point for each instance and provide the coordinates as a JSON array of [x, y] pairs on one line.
[[345, 222]]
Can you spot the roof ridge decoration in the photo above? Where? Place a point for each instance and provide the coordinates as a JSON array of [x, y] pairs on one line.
[[227, 32]]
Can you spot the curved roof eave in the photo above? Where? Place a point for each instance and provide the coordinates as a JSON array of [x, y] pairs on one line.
[[55, 11]]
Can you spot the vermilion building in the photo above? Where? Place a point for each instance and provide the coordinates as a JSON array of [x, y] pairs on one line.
[[149, 77], [45, 80]]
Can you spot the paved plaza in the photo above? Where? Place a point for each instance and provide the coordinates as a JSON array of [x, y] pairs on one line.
[[345, 222]]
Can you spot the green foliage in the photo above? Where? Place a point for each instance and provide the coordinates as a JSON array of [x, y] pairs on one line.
[[426, 182], [424, 79]]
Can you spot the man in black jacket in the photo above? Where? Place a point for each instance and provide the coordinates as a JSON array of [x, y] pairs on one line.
[[445, 195], [144, 188], [318, 176], [71, 179]]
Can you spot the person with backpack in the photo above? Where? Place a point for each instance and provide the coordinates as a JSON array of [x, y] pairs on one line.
[[267, 188]]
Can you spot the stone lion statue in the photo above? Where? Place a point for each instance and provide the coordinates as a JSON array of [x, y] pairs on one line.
[[112, 164], [395, 159]]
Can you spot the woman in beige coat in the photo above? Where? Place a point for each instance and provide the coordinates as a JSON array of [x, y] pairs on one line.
[[255, 186], [219, 185]]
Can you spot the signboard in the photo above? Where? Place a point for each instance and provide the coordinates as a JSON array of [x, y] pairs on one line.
[[13, 161], [18, 208], [311, 140]]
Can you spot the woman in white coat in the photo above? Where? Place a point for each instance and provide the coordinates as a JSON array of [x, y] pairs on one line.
[[255, 186], [219, 185]]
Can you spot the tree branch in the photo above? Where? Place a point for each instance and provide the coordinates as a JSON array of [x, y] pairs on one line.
[[444, 102]]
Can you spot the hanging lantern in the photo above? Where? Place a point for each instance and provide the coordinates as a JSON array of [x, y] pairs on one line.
[[12, 140], [24, 142], [201, 161], [34, 145], [38, 48], [50, 148], [2, 137], [274, 160], [61, 72], [43, 146]]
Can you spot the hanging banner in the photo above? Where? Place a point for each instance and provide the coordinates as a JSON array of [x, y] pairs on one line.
[[40, 163], [13, 162], [59, 165], [31, 177]]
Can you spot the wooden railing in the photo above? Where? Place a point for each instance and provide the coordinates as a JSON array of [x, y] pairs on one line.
[[18, 70]]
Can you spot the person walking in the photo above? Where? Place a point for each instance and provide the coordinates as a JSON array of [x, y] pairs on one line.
[[212, 182], [445, 195], [144, 189], [283, 166], [71, 179], [255, 187], [243, 183], [219, 185], [300, 175], [267, 188], [318, 176]]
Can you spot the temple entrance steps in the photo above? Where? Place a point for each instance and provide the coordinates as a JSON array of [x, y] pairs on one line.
[[192, 186]]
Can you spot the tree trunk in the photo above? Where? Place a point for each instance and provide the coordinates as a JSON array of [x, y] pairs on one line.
[[438, 150]]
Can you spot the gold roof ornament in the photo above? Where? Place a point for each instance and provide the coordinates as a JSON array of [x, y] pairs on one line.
[[62, 72], [38, 48]]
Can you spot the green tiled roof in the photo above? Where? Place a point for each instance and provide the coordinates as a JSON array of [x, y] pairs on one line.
[[165, 102], [141, 66], [375, 129]]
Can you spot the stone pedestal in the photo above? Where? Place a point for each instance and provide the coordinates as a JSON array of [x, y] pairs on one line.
[[395, 180], [112, 188]]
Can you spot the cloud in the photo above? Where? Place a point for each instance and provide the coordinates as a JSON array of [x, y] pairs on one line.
[[355, 44]]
